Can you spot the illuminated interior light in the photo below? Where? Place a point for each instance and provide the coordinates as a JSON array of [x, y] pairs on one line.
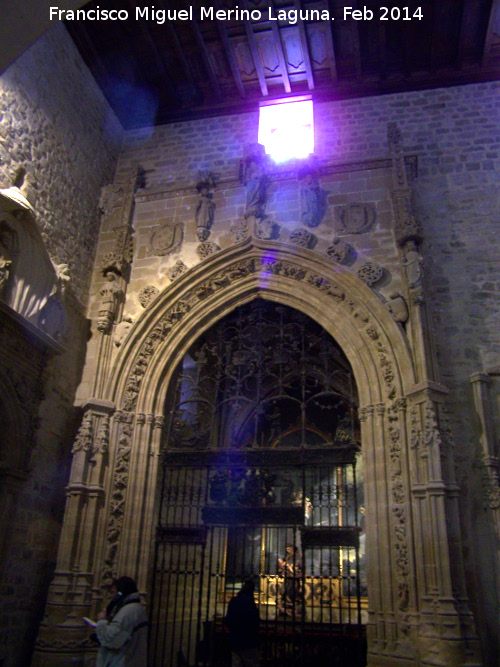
[[286, 129]]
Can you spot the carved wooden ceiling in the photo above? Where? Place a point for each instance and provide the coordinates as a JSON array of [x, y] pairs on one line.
[[154, 73]]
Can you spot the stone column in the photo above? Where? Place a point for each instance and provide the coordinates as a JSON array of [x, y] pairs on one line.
[[70, 595], [444, 631]]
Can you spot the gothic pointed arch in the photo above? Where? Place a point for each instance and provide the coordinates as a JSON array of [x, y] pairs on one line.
[[328, 293]]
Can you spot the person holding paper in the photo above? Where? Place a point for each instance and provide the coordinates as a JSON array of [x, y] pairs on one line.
[[122, 630]]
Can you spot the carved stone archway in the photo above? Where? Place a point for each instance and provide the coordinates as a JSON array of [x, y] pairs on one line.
[[418, 613]]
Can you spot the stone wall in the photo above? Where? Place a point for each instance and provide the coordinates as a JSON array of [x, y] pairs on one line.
[[454, 135], [55, 124]]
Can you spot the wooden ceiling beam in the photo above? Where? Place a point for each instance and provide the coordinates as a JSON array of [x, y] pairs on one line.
[[465, 15], [228, 50], [305, 48], [146, 33], [257, 60], [177, 46], [330, 44], [206, 57], [493, 22], [356, 43], [281, 54]]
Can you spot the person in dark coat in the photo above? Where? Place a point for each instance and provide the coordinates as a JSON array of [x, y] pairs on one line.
[[243, 621], [122, 630]]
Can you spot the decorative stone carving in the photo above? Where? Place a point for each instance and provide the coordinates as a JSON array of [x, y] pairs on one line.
[[111, 200], [239, 230], [177, 270], [255, 179], [341, 252], [121, 256], [111, 295], [147, 295], [122, 329], [30, 283], [406, 224], [313, 198], [166, 239], [207, 249], [325, 285], [357, 218], [413, 263], [302, 238], [117, 500], [370, 273], [205, 208], [265, 228], [84, 437], [397, 306], [398, 507]]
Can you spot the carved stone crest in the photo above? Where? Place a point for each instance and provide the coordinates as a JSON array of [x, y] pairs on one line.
[[166, 239], [357, 218]]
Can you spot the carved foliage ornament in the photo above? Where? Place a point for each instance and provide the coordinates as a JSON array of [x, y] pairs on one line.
[[117, 501], [207, 249], [147, 295], [341, 252], [302, 238], [370, 273], [177, 270], [398, 508]]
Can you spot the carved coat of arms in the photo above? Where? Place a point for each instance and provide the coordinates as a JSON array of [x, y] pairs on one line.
[[357, 218], [166, 238]]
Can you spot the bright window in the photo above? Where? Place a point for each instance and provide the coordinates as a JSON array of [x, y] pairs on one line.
[[286, 129]]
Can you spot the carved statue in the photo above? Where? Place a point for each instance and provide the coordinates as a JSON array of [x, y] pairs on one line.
[[255, 180], [206, 208], [110, 298], [313, 198], [413, 261]]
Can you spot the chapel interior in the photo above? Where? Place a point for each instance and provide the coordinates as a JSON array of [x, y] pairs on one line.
[[220, 363]]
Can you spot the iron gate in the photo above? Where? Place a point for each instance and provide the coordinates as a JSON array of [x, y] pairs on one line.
[[262, 478], [295, 530]]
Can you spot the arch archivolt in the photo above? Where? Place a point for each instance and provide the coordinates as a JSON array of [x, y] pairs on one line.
[[353, 315], [327, 292]]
